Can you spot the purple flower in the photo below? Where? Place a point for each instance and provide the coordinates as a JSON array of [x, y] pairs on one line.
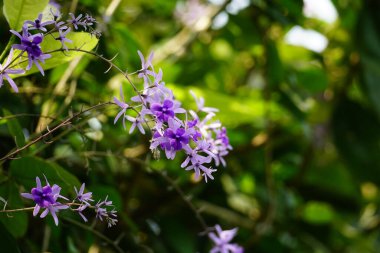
[[75, 21], [163, 112], [38, 24], [88, 21], [194, 157], [83, 197], [222, 241], [31, 44], [222, 136], [103, 213], [5, 71], [46, 197], [136, 122], [176, 138], [122, 105], [198, 167], [62, 38], [144, 72]]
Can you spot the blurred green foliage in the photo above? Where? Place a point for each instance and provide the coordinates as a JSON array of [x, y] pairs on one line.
[[305, 127]]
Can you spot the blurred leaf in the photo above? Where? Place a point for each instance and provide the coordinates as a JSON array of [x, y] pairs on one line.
[[357, 137], [318, 213], [15, 129], [26, 169], [16, 223], [18, 11], [274, 65], [371, 80], [101, 192], [368, 45], [81, 40], [233, 110], [7, 241], [313, 78]]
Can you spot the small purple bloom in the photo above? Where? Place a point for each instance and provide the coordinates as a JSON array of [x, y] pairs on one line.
[[222, 241], [83, 197], [136, 122], [62, 37], [222, 135], [176, 138], [124, 106], [75, 21], [103, 213], [38, 24], [31, 44], [46, 197], [198, 167], [163, 112], [145, 64], [88, 21], [5, 71]]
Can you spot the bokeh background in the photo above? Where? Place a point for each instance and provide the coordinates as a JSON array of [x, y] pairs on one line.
[[297, 84]]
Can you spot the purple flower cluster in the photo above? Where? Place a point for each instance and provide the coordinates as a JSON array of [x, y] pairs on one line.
[[175, 129], [222, 241], [31, 37], [47, 196]]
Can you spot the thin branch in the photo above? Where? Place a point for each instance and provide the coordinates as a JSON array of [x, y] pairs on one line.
[[49, 132]]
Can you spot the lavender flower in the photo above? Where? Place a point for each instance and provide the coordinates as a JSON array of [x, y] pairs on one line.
[[145, 65], [163, 112], [5, 71], [136, 122], [62, 38], [46, 197], [38, 24], [31, 44], [103, 213], [222, 241], [84, 199], [202, 139], [124, 106], [75, 21]]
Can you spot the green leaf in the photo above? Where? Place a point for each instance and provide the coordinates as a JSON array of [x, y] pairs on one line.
[[274, 65], [16, 223], [7, 241], [318, 213], [233, 110], [15, 129], [80, 40], [357, 137], [26, 169], [17, 11]]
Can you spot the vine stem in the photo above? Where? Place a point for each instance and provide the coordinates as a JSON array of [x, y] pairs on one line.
[[31, 208], [50, 131]]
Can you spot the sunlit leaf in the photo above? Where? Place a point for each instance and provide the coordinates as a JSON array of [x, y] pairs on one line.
[[18, 11]]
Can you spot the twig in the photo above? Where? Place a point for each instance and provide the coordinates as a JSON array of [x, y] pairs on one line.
[[48, 132]]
